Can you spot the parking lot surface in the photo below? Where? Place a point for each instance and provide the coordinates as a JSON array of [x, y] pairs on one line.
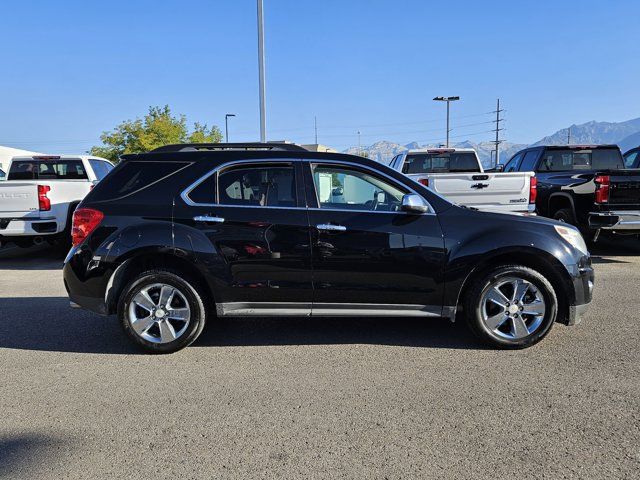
[[316, 398]]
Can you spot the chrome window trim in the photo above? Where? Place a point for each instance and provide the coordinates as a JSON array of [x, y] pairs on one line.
[[311, 161]]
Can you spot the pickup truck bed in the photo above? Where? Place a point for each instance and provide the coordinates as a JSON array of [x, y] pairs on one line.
[[441, 170], [40, 194]]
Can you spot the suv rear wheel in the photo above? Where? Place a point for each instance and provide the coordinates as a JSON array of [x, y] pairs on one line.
[[511, 307], [162, 311]]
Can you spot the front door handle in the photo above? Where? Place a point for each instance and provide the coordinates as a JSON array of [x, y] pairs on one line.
[[208, 219], [331, 228]]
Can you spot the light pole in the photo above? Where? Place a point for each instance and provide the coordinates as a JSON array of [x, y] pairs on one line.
[[226, 125], [263, 102], [448, 100], [359, 144]]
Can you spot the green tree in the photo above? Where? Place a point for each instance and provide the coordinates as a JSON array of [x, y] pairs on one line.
[[158, 127]]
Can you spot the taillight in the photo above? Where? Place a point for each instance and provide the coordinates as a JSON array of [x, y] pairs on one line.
[[44, 202], [85, 221], [602, 188], [424, 181], [533, 190]]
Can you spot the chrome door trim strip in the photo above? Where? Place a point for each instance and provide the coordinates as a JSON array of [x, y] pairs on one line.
[[300, 309]]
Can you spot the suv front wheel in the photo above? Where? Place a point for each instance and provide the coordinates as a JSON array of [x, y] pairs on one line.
[[511, 307], [162, 311]]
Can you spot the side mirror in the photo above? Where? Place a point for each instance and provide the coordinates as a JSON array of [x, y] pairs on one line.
[[413, 203], [499, 168]]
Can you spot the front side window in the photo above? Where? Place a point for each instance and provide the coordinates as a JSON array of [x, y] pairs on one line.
[[529, 161], [630, 160], [512, 165], [350, 189], [259, 186]]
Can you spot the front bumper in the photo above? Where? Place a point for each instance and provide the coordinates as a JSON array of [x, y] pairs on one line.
[[583, 281], [626, 220]]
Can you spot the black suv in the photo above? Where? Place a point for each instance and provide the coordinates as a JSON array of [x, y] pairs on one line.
[[174, 237]]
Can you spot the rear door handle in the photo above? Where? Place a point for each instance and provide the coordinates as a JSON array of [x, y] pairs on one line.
[[331, 228], [208, 219]]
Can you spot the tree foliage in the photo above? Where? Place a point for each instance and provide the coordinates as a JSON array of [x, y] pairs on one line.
[[158, 127]]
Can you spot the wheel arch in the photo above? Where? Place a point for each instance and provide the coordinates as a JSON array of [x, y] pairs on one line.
[[150, 259], [558, 201], [537, 259]]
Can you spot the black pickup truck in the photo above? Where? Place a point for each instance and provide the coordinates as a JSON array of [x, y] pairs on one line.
[[584, 185]]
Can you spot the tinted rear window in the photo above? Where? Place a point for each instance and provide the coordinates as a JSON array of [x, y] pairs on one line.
[[587, 159], [47, 169], [131, 176], [440, 163]]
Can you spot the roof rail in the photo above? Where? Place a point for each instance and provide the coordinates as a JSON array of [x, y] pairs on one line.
[[192, 147]]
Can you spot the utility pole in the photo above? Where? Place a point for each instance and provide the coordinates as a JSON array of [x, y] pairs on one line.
[[315, 126], [448, 100], [498, 141], [359, 144], [261, 75], [569, 136]]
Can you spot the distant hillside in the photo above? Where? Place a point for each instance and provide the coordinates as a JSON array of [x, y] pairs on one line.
[[625, 134], [383, 151], [594, 132]]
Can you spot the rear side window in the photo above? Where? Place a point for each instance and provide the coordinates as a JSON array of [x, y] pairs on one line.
[[133, 176], [441, 163], [47, 170], [100, 168], [588, 159], [268, 186]]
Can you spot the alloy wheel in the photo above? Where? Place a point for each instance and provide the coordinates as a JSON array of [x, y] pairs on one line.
[[512, 308], [159, 313]]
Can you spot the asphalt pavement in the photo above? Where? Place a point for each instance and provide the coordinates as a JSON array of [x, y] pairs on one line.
[[316, 398]]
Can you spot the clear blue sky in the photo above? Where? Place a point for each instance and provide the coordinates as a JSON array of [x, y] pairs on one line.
[[72, 69]]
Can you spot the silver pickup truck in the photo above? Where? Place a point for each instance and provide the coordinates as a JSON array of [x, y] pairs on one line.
[[457, 174]]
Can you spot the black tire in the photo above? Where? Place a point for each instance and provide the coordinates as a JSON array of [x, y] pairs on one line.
[[565, 215], [190, 290], [473, 306]]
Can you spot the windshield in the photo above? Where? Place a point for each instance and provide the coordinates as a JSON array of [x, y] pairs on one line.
[[441, 162]]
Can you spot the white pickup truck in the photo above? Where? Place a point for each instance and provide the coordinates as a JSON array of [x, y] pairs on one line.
[[457, 174], [40, 194]]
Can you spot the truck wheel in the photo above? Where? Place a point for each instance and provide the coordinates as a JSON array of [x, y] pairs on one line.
[[565, 215], [162, 311], [511, 307]]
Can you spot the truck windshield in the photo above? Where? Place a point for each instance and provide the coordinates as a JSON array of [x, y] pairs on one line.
[[47, 169], [576, 159], [441, 162]]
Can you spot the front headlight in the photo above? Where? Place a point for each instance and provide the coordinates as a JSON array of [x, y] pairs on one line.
[[573, 237]]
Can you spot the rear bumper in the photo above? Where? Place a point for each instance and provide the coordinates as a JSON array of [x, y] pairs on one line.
[[627, 220], [28, 228]]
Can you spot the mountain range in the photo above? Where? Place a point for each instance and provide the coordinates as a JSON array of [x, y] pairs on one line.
[[625, 134]]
